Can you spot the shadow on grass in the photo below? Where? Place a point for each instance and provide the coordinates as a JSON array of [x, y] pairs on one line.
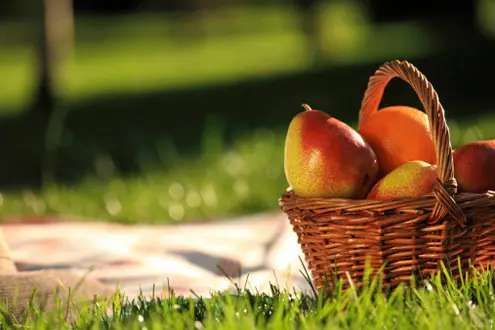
[[127, 132]]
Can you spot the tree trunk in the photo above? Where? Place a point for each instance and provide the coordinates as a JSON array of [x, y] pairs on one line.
[[56, 32], [52, 36]]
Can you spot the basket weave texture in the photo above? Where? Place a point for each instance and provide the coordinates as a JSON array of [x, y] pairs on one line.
[[408, 237]]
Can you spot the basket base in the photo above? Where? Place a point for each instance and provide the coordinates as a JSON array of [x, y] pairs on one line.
[[398, 246]]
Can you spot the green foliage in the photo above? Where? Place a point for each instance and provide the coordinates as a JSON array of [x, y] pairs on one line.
[[149, 53]]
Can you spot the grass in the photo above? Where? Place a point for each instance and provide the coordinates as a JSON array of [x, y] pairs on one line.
[[440, 303], [243, 178]]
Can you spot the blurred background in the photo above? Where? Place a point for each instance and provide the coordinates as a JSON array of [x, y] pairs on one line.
[[176, 110]]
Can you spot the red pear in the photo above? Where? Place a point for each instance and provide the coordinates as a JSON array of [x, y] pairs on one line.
[[324, 157], [474, 166]]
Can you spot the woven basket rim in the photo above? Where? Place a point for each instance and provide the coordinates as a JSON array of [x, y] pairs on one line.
[[458, 196], [290, 200]]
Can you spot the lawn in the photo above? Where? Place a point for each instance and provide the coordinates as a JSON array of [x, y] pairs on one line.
[[244, 178], [439, 304]]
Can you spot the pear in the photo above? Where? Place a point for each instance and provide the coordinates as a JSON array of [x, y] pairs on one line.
[[324, 157], [411, 179]]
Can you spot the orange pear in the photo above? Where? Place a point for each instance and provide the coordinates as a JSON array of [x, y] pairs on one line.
[[324, 157], [474, 166], [411, 179]]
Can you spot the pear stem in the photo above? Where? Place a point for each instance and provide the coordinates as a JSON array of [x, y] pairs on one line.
[[306, 107]]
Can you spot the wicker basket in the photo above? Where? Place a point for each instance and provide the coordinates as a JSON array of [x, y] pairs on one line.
[[408, 237]]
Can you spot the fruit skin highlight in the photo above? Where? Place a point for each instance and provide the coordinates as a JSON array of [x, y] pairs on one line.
[[474, 166], [412, 179], [398, 134], [324, 157]]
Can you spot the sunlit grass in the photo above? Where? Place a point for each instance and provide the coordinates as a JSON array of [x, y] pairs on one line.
[[441, 303], [246, 177]]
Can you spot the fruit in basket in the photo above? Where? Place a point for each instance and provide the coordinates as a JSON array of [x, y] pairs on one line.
[[324, 157], [474, 166], [398, 134], [412, 179]]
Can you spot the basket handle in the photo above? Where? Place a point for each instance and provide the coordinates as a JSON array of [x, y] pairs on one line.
[[446, 185]]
